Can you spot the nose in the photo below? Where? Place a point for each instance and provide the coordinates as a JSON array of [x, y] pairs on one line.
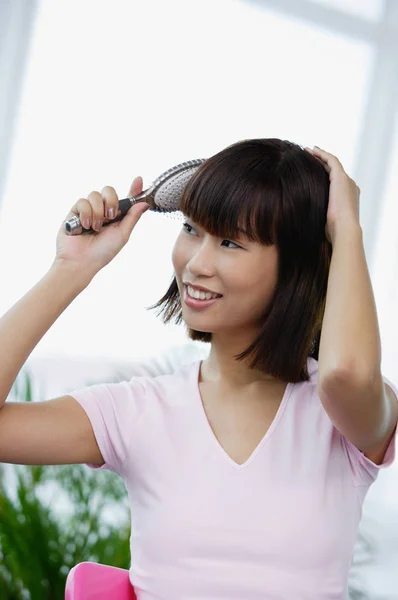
[[202, 262]]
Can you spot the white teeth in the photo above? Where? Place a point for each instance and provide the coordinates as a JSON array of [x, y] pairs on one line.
[[201, 295]]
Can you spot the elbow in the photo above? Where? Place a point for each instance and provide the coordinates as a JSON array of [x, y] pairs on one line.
[[349, 376]]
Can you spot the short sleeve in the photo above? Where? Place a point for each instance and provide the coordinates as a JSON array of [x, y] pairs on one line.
[[363, 469], [114, 410]]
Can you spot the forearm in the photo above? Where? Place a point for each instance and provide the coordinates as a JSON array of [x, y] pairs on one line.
[[350, 339], [23, 326]]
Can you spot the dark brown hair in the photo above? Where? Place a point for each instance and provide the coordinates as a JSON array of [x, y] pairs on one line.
[[278, 193]]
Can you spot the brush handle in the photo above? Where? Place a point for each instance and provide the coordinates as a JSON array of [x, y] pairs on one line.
[[73, 226]]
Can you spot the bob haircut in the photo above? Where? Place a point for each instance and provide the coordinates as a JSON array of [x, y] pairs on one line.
[[278, 194]]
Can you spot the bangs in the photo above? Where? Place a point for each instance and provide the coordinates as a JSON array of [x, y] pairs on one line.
[[274, 193], [230, 198]]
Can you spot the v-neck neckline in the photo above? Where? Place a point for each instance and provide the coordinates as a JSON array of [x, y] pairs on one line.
[[210, 431]]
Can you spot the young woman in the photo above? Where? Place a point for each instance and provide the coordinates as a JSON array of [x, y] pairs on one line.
[[247, 471]]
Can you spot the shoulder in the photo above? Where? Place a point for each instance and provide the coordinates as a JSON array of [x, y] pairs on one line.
[[364, 470], [305, 392], [138, 388], [308, 420], [173, 387]]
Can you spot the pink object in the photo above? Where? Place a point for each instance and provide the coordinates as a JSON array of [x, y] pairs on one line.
[[92, 581]]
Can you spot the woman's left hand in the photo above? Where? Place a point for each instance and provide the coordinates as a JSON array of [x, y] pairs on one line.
[[343, 207]]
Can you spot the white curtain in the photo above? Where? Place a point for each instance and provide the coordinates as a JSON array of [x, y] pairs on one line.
[[17, 18]]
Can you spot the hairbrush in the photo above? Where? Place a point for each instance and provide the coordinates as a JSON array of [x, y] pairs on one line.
[[163, 196]]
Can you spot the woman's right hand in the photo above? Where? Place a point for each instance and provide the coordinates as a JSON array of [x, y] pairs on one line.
[[92, 250]]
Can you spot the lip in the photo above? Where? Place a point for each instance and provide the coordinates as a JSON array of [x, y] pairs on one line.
[[200, 288], [197, 304]]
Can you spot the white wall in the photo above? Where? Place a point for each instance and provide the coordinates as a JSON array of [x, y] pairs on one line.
[[119, 89]]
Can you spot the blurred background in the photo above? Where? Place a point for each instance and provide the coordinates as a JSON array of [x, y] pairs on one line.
[[96, 92]]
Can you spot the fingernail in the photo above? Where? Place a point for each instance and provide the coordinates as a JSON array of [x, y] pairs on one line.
[[87, 223], [110, 213], [97, 225]]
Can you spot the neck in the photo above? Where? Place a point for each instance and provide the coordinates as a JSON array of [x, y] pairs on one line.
[[222, 368]]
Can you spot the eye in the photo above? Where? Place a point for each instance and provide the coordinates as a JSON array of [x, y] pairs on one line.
[[229, 242], [188, 228]]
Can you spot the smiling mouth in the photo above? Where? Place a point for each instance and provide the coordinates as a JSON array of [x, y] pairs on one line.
[[200, 294]]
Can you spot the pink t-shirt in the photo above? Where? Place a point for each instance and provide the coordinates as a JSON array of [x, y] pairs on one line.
[[281, 526]]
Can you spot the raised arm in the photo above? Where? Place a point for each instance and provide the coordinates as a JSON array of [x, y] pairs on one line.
[[57, 431]]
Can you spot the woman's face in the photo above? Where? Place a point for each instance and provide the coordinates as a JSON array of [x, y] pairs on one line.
[[243, 272]]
